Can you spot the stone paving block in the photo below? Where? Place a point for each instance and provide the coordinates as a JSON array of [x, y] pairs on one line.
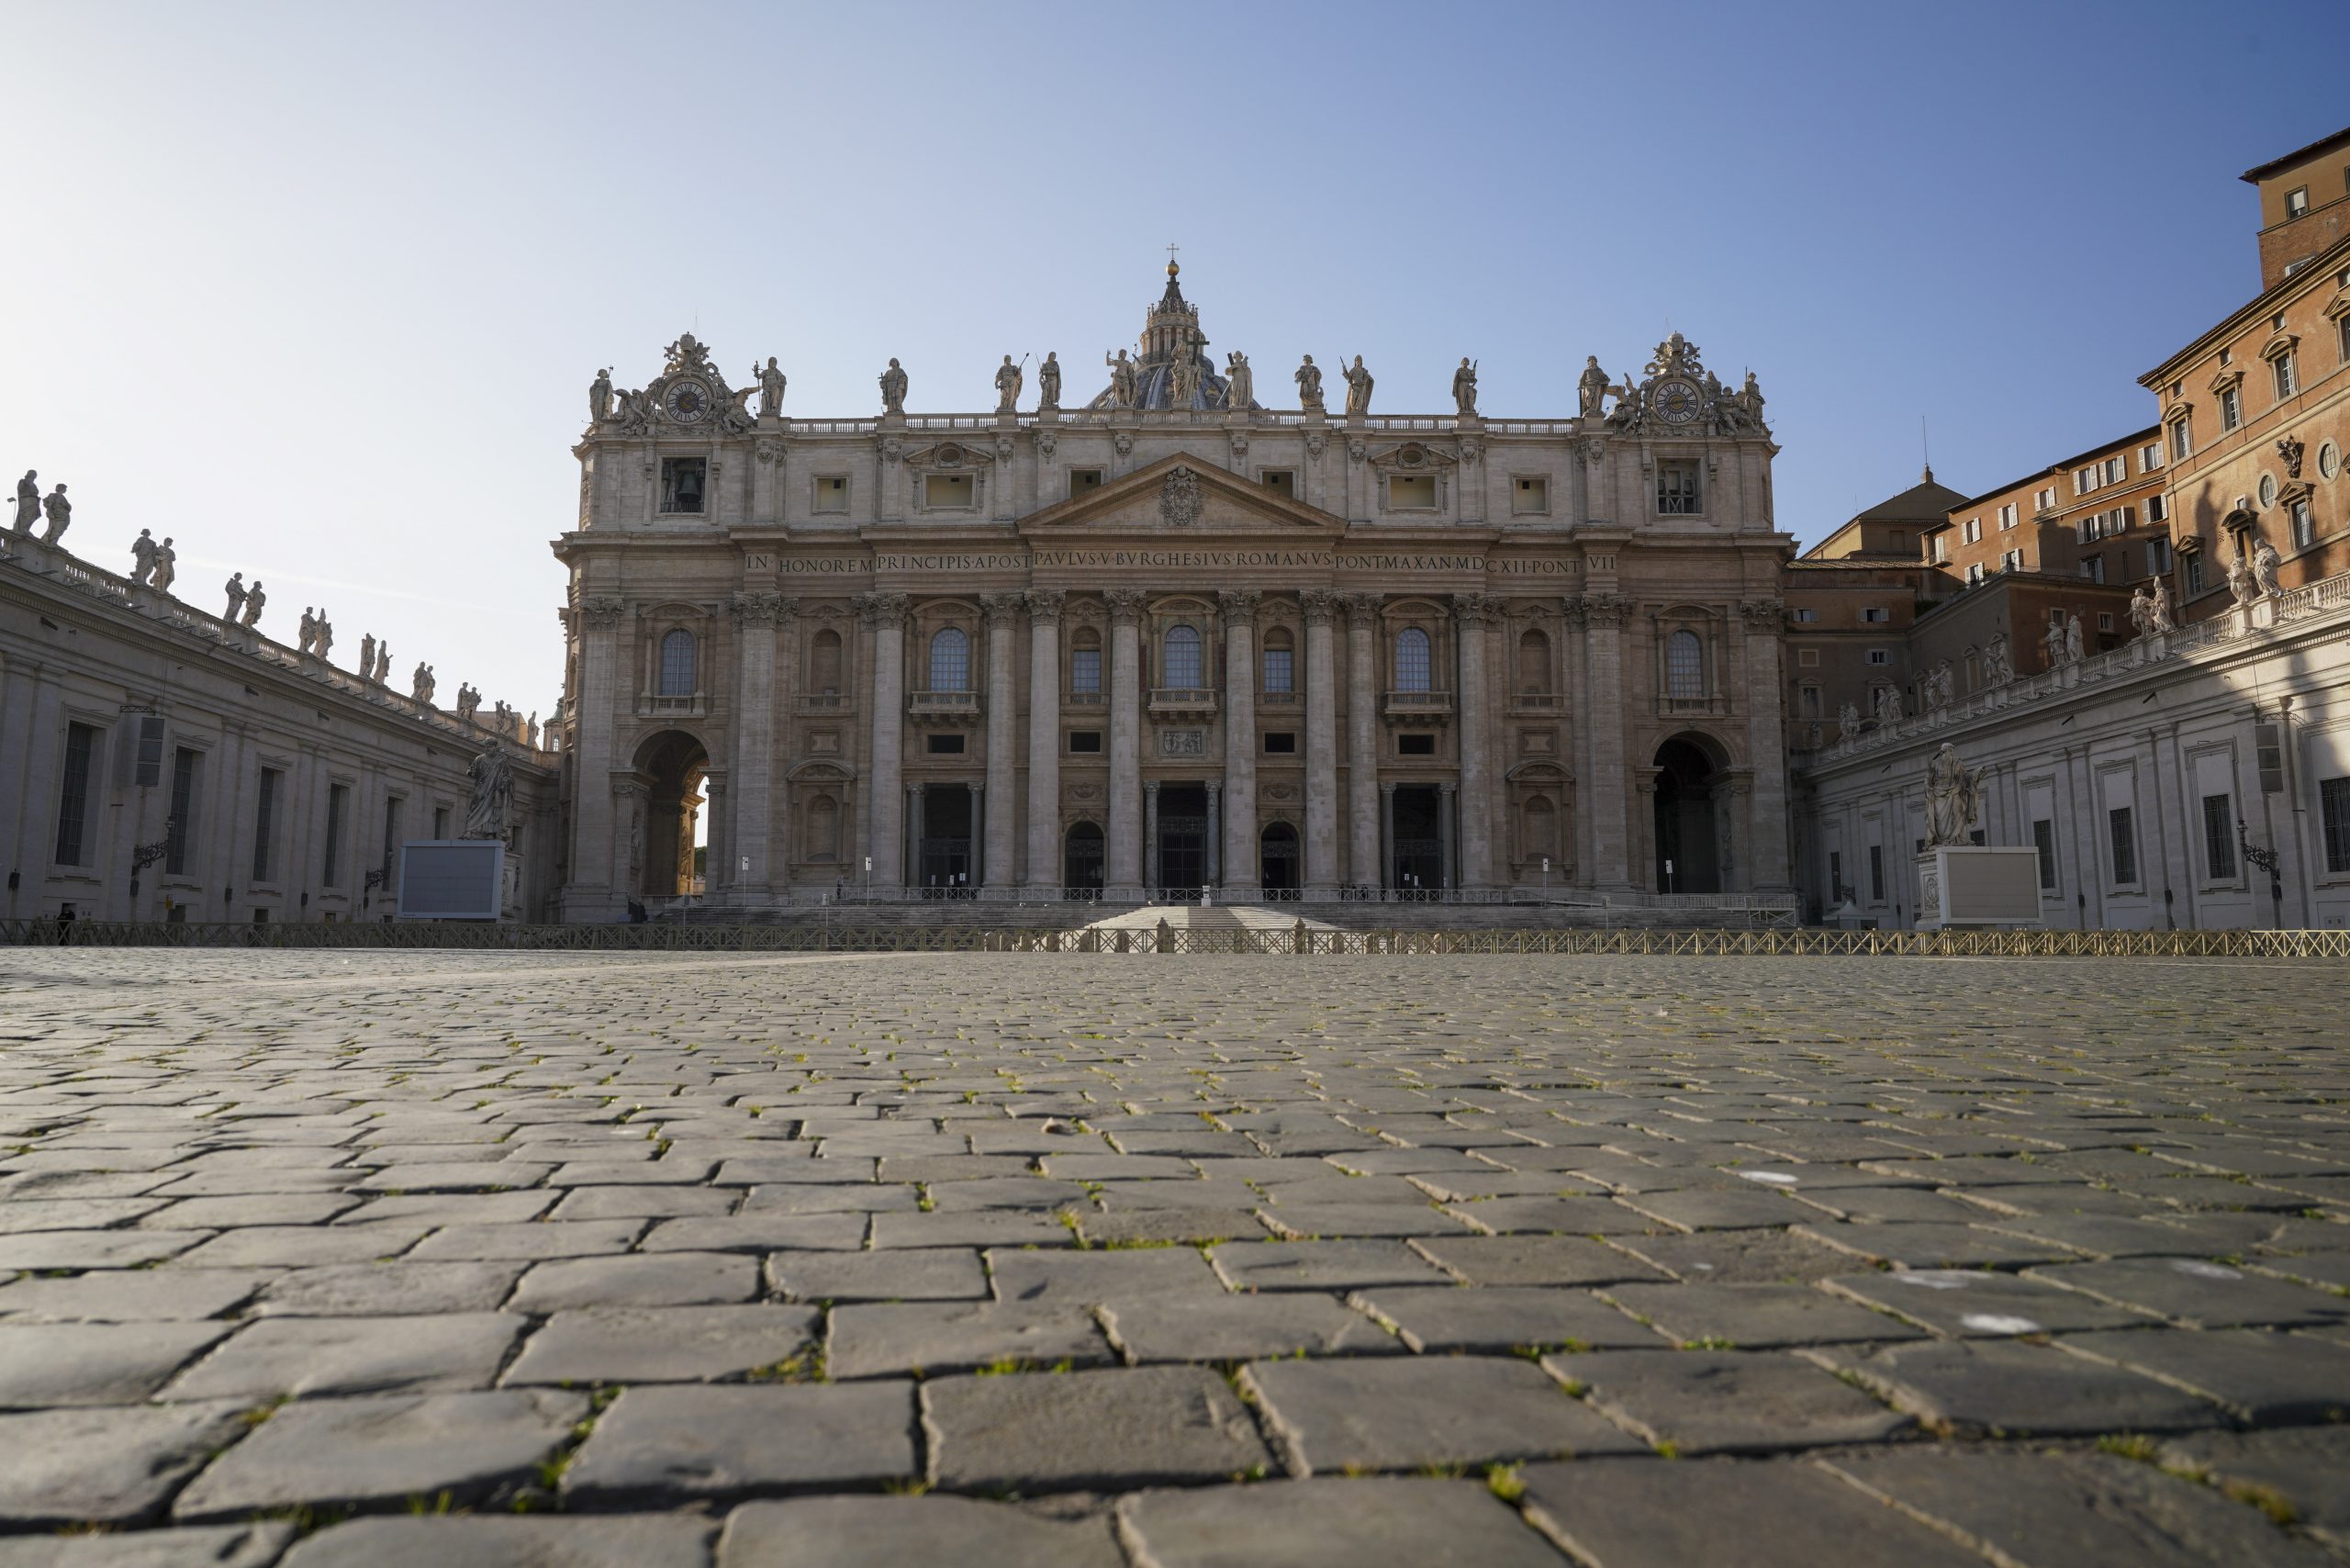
[[640, 1279], [386, 1289], [1402, 1413], [497, 1243], [1703, 1210], [2190, 1290], [2264, 1378], [36, 1250], [2300, 1468], [631, 1202], [203, 1546], [1534, 1261], [892, 1532], [665, 1447], [930, 1274], [884, 1339], [438, 1209], [1394, 1522], [111, 1467], [1310, 1221], [1434, 1320], [1087, 1431], [2008, 1388], [1171, 1226], [1727, 1401], [1978, 1303], [378, 1452], [1552, 1216], [1242, 1327], [311, 1356], [95, 1363], [81, 1214], [1778, 1513], [663, 1344], [671, 1171], [1933, 1246], [2057, 1510], [1087, 1278], [833, 1198], [1755, 1316], [279, 1208], [1737, 1257], [303, 1246], [759, 1233], [612, 1540], [1321, 1265], [456, 1176], [131, 1295]]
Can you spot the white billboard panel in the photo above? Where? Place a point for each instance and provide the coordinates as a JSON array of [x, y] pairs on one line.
[[451, 878]]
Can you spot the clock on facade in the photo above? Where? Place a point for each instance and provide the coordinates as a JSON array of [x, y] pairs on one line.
[[1676, 402], [685, 401]]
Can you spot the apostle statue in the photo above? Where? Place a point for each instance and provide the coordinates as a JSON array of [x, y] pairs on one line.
[[1048, 381], [2264, 563], [422, 687], [166, 566], [383, 675], [1464, 389], [60, 512], [2240, 582], [893, 390], [2054, 641], [2141, 612], [599, 398], [1953, 799], [1122, 380], [1358, 388], [493, 794], [1007, 385], [2161, 616], [1940, 686], [1847, 721], [367, 655], [772, 382], [27, 501], [1591, 386], [309, 633], [255, 599], [1309, 385], [1997, 668], [236, 596], [1888, 705], [1182, 376], [325, 637], [2073, 647], [1750, 397], [142, 557], [531, 730], [468, 702], [1240, 382]]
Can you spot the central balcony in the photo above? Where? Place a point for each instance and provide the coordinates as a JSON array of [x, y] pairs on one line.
[[1183, 701], [941, 707], [1419, 707]]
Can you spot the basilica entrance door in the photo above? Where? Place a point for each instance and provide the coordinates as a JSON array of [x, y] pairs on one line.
[[1081, 862], [1182, 839], [1419, 839], [946, 861], [1278, 860]]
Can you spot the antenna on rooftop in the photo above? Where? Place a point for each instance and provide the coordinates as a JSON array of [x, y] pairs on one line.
[[1926, 447]]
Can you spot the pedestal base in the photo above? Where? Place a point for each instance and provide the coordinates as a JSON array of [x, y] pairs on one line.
[[1973, 884]]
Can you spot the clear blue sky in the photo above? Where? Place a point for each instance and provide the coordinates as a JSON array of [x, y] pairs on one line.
[[317, 289]]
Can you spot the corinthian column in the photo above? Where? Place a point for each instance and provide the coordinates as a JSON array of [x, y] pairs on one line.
[[1003, 613], [1472, 614], [1365, 865], [1768, 864], [883, 616], [599, 883], [1125, 868], [1044, 738], [755, 617], [1239, 607], [1602, 616], [1321, 607]]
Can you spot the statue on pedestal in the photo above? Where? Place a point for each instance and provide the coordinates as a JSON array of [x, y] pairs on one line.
[[421, 690], [167, 565], [307, 633], [492, 799], [1998, 667], [255, 599], [1048, 382], [383, 675], [1888, 705], [1591, 386], [1359, 384], [1464, 389], [2074, 651], [2054, 641], [236, 586], [27, 501], [468, 702], [1309, 385], [1122, 379], [60, 512], [325, 633], [2164, 622], [1240, 382], [2265, 565], [1847, 721], [367, 655], [1008, 380], [772, 382], [1953, 799], [2240, 582], [893, 390], [1183, 376], [142, 557], [599, 398]]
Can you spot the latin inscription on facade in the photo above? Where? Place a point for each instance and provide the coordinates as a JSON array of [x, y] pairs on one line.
[[1162, 560]]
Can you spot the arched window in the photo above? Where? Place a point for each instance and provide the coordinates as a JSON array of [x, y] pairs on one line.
[[1280, 663], [1684, 665], [1534, 662], [677, 664], [1541, 828], [1412, 660], [1183, 658], [1085, 663], [825, 663], [824, 828], [950, 660]]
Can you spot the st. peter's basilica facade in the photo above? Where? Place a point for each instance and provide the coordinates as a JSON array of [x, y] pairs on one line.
[[1172, 638]]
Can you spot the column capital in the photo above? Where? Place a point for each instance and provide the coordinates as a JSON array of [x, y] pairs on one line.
[[1765, 614], [1044, 604], [1126, 605], [603, 612], [1239, 604], [1476, 608], [1387, 787], [1000, 607], [1362, 609], [1447, 786], [1320, 606], [761, 609], [881, 609], [1215, 788], [1151, 788], [1602, 611]]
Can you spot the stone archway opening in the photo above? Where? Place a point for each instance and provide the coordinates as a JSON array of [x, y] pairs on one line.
[[674, 836], [1280, 865], [1689, 791], [1082, 861]]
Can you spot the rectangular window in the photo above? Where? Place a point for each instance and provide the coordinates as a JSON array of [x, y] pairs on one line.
[[2195, 574], [1973, 531], [1938, 548], [2125, 846], [1277, 672], [73, 843], [1809, 704], [1411, 492], [831, 493], [2150, 457], [681, 483], [947, 492], [1529, 495], [2157, 557], [1974, 574], [2230, 410], [1281, 481], [2304, 524], [440, 822], [1281, 742], [1414, 745], [2281, 368], [1084, 742], [2219, 838], [1085, 672], [1804, 617], [2296, 203], [2043, 840], [1880, 656], [1084, 479], [2093, 568], [2105, 621], [2333, 807], [2012, 560], [2182, 439], [2115, 470], [1677, 494], [1877, 873], [1874, 613], [2342, 339], [2008, 515], [2045, 500], [145, 757], [2157, 508], [265, 823], [944, 746], [338, 807], [185, 763], [1836, 875]]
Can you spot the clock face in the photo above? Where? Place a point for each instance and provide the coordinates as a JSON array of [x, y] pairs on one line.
[[685, 401], [1676, 402]]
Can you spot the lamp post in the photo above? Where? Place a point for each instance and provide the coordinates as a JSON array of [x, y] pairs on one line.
[[2266, 859]]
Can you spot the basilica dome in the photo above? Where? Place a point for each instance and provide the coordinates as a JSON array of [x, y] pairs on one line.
[[1172, 342]]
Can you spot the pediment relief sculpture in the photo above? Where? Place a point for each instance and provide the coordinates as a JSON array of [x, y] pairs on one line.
[[948, 455]]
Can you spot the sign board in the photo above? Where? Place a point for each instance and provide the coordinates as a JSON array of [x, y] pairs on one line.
[[451, 878]]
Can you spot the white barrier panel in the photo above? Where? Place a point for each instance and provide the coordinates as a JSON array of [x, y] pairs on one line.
[[451, 878]]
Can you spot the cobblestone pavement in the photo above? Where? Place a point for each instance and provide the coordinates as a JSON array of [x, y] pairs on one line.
[[1057, 1262]]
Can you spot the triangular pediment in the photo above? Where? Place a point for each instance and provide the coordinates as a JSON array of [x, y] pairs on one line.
[[1179, 497]]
